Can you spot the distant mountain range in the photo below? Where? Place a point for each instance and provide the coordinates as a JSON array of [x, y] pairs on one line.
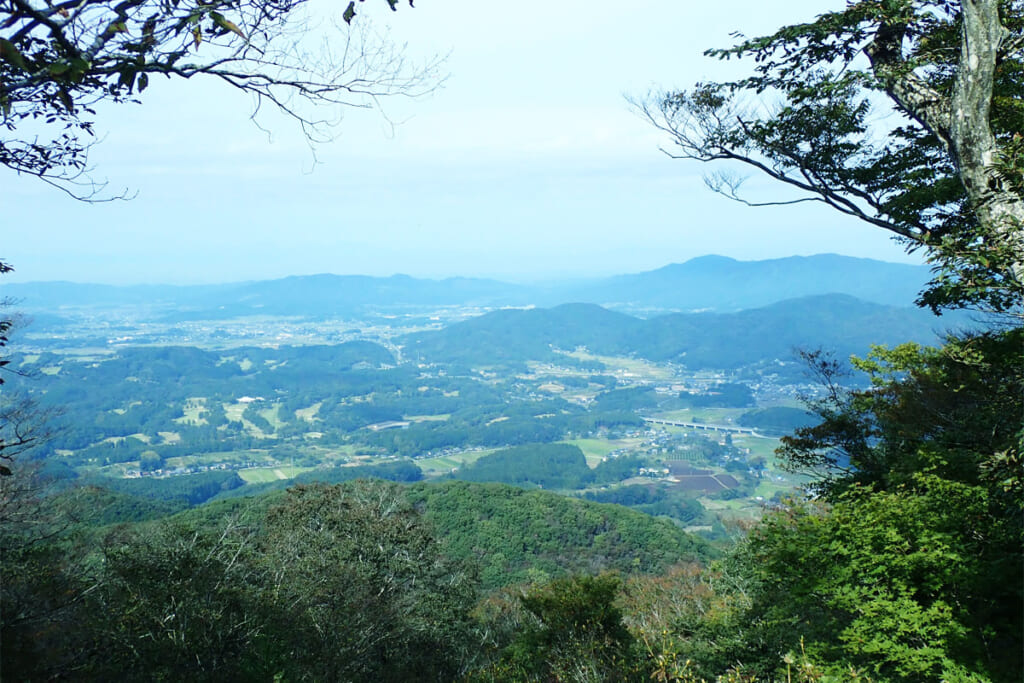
[[837, 323], [723, 284], [710, 283]]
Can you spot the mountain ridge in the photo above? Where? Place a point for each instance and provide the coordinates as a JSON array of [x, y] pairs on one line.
[[711, 282], [836, 323]]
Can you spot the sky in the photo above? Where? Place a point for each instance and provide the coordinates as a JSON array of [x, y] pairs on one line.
[[526, 163]]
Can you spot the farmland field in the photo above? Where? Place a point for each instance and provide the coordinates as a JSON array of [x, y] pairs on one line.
[[446, 463], [262, 475]]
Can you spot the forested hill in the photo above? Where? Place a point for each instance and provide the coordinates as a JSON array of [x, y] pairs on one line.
[[834, 322], [516, 535], [326, 583], [524, 334]]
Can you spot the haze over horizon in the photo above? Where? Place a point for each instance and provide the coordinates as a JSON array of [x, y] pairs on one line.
[[537, 280], [527, 164]]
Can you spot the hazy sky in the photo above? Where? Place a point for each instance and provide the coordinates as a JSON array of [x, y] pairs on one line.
[[526, 164]]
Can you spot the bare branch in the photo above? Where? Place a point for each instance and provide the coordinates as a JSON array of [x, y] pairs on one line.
[[57, 60]]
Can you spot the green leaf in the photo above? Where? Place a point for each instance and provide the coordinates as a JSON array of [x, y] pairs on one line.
[[65, 99], [11, 55], [79, 67], [127, 78], [115, 27], [227, 25], [143, 81], [350, 12]]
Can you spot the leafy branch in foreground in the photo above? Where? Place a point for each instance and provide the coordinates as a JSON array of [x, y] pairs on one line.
[[944, 174]]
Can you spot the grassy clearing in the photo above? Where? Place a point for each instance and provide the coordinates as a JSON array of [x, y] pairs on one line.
[[443, 417], [342, 451], [116, 471], [308, 414], [444, 464], [596, 447], [262, 475], [170, 437], [255, 431], [767, 488], [88, 354], [629, 368], [596, 450], [784, 403], [233, 411], [144, 438], [273, 416], [762, 446], [739, 509], [192, 412]]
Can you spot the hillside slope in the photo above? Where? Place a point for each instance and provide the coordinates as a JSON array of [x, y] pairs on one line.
[[833, 322]]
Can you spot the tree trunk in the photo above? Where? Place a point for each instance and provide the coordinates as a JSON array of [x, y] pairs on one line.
[[972, 144], [961, 120]]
